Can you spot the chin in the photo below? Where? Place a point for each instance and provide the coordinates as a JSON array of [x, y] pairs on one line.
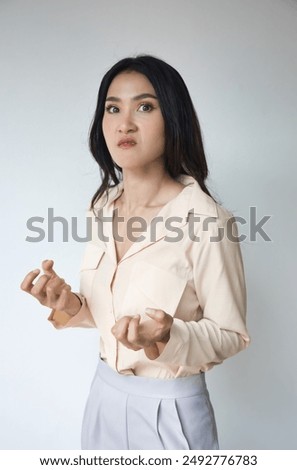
[[131, 167], [132, 163], [127, 165]]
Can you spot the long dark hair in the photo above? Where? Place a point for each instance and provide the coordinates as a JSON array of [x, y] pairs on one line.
[[184, 152]]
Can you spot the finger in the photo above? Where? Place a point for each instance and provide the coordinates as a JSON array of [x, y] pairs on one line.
[[154, 314], [56, 284], [47, 266], [120, 332], [133, 330], [27, 283], [120, 328], [152, 352], [54, 289], [38, 288], [63, 298]]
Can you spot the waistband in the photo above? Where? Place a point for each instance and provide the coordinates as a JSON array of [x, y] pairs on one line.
[[180, 387]]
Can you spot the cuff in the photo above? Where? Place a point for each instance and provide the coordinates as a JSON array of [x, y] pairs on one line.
[[173, 348], [83, 318]]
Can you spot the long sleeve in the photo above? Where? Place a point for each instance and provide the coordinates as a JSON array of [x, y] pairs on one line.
[[82, 319], [220, 287], [200, 282]]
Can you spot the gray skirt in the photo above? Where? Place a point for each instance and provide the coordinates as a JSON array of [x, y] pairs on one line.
[[131, 412]]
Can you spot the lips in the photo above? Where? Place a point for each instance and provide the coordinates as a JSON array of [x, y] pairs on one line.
[[126, 143]]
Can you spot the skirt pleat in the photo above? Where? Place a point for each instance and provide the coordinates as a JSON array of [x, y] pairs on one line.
[[130, 412]]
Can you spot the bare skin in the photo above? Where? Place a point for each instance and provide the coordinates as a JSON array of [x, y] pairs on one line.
[[150, 335], [50, 289], [132, 112], [53, 292], [148, 211]]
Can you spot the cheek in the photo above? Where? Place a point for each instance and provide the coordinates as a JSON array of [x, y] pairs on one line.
[[156, 131], [159, 135], [161, 130]]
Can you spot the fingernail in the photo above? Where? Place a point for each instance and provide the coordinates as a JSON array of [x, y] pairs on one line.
[[149, 310], [36, 271]]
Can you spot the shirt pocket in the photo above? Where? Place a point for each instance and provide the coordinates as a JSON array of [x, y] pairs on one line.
[[89, 268], [155, 287], [92, 257]]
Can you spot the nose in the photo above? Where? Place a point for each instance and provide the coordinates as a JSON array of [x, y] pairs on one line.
[[127, 123]]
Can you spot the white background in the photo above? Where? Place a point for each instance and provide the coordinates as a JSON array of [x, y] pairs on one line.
[[239, 60]]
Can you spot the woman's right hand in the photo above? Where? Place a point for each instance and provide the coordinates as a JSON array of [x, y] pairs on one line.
[[51, 290]]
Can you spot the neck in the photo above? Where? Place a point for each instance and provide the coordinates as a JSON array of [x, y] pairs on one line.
[[142, 190]]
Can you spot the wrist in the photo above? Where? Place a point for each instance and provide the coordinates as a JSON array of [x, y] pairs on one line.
[[165, 338], [75, 304]]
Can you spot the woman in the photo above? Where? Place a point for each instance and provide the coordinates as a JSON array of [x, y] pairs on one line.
[[162, 277]]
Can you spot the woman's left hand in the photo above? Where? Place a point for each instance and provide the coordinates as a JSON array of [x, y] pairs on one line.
[[151, 334]]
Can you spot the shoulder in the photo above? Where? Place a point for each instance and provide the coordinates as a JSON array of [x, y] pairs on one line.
[[203, 205], [211, 221]]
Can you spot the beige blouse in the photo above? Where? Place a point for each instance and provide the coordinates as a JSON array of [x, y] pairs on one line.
[[188, 263]]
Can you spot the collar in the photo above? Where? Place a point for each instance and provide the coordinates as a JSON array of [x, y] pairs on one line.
[[192, 199]]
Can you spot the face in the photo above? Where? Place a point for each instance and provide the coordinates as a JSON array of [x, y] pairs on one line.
[[133, 125]]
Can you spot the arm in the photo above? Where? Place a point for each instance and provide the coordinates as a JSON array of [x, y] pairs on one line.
[[83, 318], [220, 287]]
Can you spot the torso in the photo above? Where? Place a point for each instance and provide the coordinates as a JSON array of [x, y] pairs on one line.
[[123, 243]]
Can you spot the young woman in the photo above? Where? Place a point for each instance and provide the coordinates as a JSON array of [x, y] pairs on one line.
[[162, 277]]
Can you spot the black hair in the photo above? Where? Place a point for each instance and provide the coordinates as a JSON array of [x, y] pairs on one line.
[[183, 153]]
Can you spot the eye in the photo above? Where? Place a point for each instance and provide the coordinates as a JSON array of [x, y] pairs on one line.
[[112, 109], [145, 107]]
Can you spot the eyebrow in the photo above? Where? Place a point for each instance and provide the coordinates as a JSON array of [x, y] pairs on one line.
[[135, 98]]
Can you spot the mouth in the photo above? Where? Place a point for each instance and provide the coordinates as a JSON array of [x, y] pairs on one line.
[[126, 143]]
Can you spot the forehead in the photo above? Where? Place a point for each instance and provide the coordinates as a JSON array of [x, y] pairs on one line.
[[129, 84]]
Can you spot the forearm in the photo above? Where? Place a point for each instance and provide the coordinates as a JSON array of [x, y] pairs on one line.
[[79, 316], [198, 344]]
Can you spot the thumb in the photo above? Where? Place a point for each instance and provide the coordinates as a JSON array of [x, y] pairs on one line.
[[47, 266], [155, 314]]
